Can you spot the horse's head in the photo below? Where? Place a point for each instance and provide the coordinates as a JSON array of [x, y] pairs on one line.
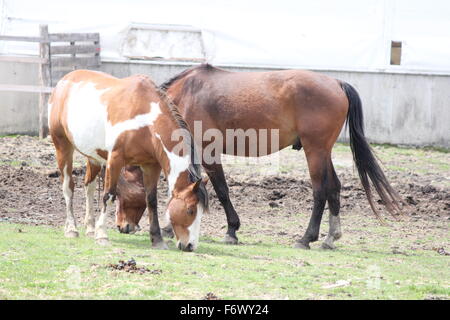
[[184, 213], [127, 218], [130, 204]]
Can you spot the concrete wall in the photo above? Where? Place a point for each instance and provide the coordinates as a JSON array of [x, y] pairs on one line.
[[19, 112], [407, 109]]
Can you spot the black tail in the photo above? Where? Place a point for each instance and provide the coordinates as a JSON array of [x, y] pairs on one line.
[[364, 158]]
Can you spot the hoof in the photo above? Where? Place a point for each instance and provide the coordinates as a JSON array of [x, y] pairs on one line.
[[230, 239], [167, 232], [328, 246], [71, 234], [161, 245], [300, 245], [90, 234], [102, 242]]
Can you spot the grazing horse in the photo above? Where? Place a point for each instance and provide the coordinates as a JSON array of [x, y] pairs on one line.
[[309, 110], [131, 192], [121, 122]]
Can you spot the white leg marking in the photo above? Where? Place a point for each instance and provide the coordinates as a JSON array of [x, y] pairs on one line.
[[334, 232], [89, 219], [70, 229], [101, 235]]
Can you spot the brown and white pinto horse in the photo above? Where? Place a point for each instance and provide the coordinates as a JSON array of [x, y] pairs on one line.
[[309, 110], [125, 122]]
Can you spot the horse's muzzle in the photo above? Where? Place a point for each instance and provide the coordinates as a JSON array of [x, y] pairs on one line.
[[187, 248], [128, 228]]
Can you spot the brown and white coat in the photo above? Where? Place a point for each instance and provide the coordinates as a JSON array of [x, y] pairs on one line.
[[121, 122]]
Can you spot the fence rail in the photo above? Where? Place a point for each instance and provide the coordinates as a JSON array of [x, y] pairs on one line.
[[63, 63], [69, 37], [82, 51], [25, 88], [20, 38], [23, 59], [74, 49]]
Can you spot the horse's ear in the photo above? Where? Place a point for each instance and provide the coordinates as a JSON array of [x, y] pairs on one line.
[[197, 183], [174, 193]]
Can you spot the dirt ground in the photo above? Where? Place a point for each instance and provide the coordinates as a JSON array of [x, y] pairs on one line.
[[272, 196]]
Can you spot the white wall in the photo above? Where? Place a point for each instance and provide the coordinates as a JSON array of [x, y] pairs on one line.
[[409, 109]]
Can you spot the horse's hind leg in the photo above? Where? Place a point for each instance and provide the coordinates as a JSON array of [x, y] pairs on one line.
[[64, 157], [92, 170], [318, 170], [333, 198]]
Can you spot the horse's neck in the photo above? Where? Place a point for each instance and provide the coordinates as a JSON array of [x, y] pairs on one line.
[[175, 167]]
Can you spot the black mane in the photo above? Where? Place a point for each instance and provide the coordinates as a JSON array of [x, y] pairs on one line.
[[194, 166], [166, 85]]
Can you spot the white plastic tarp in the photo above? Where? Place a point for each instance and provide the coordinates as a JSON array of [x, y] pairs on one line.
[[345, 34]]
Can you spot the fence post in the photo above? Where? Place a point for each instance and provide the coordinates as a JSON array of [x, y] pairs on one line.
[[45, 80]]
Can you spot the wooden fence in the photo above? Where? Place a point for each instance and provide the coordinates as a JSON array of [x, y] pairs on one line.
[[59, 53]]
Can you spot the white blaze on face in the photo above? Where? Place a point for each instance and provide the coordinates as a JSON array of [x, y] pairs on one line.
[[194, 228], [177, 165], [167, 221]]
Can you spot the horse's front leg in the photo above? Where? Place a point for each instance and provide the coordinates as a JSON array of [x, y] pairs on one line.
[[112, 172], [217, 177], [92, 170], [151, 177]]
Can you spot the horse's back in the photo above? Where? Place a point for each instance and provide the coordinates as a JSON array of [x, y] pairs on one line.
[[85, 103], [271, 94], [321, 108], [292, 101], [311, 102], [305, 89]]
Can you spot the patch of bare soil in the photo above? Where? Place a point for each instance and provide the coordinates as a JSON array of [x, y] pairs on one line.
[[268, 203]]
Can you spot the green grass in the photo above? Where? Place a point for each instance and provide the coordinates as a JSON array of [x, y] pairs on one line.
[[407, 149], [39, 263], [429, 160], [10, 136], [13, 163]]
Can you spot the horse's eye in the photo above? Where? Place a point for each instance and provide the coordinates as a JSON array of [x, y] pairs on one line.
[[190, 211]]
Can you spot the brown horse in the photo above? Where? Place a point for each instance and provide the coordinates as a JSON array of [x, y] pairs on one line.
[[308, 109], [125, 122], [131, 192]]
